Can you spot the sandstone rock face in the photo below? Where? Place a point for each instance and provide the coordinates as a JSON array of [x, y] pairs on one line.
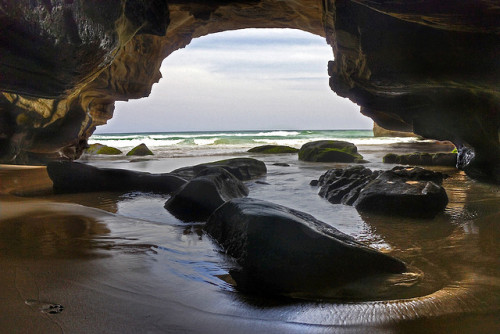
[[284, 251], [426, 67], [379, 131]]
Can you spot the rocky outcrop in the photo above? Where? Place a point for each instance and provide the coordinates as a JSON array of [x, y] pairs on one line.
[[330, 151], [72, 177], [423, 159], [243, 168], [197, 199], [284, 251], [425, 67], [410, 192]]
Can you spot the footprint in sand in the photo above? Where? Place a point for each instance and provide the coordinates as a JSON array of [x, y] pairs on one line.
[[45, 307]]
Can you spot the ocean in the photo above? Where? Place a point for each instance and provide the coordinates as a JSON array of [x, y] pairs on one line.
[[185, 144]]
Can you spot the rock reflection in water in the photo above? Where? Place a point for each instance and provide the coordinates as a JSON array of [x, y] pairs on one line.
[[51, 235]]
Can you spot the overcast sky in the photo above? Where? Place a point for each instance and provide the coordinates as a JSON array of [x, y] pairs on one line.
[[252, 79]]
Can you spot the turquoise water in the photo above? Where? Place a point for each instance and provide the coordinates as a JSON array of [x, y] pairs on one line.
[[179, 144]]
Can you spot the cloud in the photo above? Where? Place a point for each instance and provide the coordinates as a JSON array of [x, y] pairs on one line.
[[242, 80]]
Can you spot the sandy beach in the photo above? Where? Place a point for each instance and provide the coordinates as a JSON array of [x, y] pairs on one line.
[[120, 263]]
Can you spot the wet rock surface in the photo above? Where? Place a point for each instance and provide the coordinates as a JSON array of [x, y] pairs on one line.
[[69, 177], [411, 192], [198, 198], [243, 168], [424, 159], [284, 251], [329, 151]]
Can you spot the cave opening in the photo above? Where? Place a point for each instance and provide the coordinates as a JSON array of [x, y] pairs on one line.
[[248, 79]]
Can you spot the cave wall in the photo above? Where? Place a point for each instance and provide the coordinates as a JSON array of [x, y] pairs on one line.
[[422, 66]]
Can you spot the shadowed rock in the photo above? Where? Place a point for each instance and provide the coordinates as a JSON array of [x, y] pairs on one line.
[[412, 192], [70, 177], [329, 151], [198, 198], [243, 168], [404, 192], [284, 251], [424, 159]]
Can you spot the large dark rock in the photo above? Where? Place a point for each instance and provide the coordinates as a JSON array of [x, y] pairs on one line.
[[330, 151], [411, 192], [406, 192], [197, 199], [243, 168], [284, 251], [72, 177], [424, 159]]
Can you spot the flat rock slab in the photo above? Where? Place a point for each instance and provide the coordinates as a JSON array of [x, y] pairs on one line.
[[198, 198], [284, 251], [70, 177]]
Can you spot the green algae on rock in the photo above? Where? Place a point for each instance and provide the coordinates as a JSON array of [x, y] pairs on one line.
[[102, 149], [330, 151], [140, 150], [273, 149]]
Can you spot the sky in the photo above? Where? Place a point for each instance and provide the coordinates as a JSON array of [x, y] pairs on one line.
[[251, 79]]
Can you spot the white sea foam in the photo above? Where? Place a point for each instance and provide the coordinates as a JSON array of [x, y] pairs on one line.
[[213, 143]]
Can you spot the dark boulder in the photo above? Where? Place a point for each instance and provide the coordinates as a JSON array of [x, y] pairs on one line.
[[284, 251], [330, 151], [198, 198], [422, 159], [243, 168], [70, 177], [140, 150], [340, 185], [410, 192], [273, 149]]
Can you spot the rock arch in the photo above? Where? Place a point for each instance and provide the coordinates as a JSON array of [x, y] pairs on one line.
[[419, 66]]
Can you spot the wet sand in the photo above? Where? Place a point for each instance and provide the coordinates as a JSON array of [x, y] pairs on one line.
[[119, 263]]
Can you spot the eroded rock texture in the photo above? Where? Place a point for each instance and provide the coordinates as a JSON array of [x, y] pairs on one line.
[[429, 67]]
